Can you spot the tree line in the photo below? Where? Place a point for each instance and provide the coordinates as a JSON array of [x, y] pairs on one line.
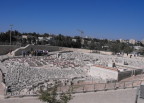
[[66, 41]]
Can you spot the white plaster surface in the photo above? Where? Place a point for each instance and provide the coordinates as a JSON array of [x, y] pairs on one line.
[[103, 73]]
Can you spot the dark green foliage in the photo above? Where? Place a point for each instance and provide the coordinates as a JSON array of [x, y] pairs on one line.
[[121, 47], [51, 96], [67, 41], [115, 48], [65, 97], [141, 51]]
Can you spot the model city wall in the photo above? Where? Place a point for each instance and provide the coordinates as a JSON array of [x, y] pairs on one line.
[[36, 47], [5, 49]]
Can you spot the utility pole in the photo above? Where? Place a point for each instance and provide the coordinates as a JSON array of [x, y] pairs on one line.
[[10, 32], [81, 37], [81, 33]]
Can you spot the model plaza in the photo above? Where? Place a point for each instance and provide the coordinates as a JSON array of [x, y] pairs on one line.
[[26, 75]]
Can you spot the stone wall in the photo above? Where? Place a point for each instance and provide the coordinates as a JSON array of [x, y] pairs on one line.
[[107, 74], [126, 74], [36, 47], [105, 53], [75, 49], [85, 50], [5, 49]]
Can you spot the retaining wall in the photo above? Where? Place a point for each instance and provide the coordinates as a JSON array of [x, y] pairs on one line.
[[125, 74], [107, 74], [5, 49], [36, 47], [85, 50]]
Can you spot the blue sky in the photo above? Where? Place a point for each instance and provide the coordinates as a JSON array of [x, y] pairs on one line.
[[111, 19]]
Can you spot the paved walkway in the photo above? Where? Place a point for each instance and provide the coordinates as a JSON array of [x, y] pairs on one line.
[[113, 96]]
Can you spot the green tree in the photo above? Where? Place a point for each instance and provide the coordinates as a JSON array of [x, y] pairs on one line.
[[50, 95], [141, 51], [115, 48], [128, 49]]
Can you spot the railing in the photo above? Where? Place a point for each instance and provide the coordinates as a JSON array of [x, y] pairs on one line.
[[102, 86], [82, 88]]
